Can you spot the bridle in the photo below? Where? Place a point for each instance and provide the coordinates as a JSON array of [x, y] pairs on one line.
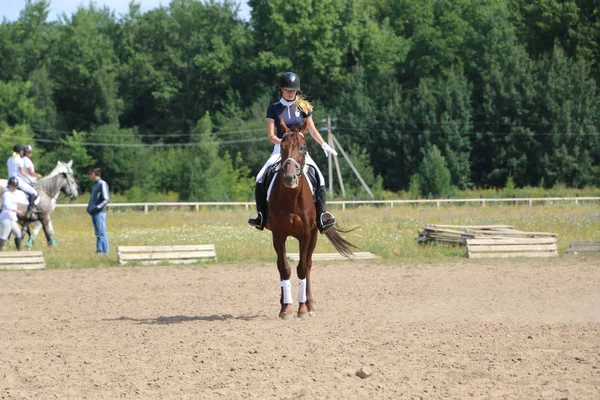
[[299, 167]]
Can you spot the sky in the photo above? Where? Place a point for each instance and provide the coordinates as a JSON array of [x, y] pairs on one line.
[[10, 9]]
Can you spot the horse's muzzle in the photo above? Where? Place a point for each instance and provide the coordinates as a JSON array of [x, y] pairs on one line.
[[291, 173]]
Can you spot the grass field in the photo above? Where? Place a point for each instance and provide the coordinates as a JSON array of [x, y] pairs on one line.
[[387, 232]]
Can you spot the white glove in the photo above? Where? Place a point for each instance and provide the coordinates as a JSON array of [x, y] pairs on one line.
[[328, 150]]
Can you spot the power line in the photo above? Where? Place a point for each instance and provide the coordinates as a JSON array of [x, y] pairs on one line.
[[58, 132], [142, 145]]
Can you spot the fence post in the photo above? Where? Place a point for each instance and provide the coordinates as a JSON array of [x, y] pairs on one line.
[[145, 208]]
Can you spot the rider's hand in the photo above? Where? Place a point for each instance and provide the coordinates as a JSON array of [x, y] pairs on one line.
[[328, 150]]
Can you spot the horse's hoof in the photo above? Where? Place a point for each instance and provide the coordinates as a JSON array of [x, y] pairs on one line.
[[286, 316], [312, 313], [303, 315]]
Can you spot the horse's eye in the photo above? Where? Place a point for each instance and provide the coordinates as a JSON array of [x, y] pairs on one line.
[[303, 148]]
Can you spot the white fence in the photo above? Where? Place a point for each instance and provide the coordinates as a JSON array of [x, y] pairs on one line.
[[353, 203]]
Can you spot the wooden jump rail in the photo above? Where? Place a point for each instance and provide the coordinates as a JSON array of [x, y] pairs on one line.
[[334, 256], [512, 247], [27, 260], [185, 254], [583, 248]]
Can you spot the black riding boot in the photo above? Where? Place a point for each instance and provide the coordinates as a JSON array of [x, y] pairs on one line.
[[325, 220], [2, 241], [18, 242], [261, 207], [30, 214]]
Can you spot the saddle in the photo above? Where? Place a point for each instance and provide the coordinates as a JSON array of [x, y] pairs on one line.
[[310, 172]]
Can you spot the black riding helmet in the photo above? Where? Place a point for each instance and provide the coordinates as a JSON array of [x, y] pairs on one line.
[[27, 148], [18, 148], [289, 81], [13, 181]]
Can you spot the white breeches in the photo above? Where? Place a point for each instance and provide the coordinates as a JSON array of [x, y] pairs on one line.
[[276, 156], [7, 226], [27, 188]]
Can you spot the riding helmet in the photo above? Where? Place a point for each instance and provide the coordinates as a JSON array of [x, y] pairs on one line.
[[289, 81], [13, 181], [27, 148], [18, 148]]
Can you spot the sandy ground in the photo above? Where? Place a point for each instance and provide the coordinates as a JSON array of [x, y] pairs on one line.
[[493, 330]]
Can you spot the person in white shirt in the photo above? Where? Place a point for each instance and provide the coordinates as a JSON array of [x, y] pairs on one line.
[[16, 168], [28, 165], [8, 216]]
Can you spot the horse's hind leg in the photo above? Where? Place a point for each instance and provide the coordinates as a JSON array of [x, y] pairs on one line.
[[285, 272]]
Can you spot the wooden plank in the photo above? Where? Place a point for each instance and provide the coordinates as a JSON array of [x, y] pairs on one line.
[[474, 226], [137, 249], [573, 255], [165, 255], [585, 243], [23, 260], [478, 241], [515, 233], [512, 247], [21, 254], [22, 266], [582, 249], [158, 262], [513, 255], [334, 256]]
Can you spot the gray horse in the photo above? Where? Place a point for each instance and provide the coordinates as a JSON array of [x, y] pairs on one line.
[[49, 187]]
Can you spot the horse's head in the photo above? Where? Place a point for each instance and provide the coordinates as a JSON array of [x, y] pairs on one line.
[[293, 155], [70, 186]]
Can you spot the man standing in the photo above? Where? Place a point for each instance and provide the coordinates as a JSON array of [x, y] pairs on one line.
[[98, 201]]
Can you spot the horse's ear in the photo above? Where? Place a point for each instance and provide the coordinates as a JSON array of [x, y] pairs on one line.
[[284, 127], [70, 164]]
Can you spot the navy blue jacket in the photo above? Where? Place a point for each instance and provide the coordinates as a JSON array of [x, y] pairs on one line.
[[99, 197], [292, 116]]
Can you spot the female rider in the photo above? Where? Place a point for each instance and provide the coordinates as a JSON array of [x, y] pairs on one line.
[[295, 110]]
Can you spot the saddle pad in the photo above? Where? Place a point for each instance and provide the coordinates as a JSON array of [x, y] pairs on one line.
[[312, 189]]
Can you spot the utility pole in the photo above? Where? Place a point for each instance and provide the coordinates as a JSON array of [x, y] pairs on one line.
[[333, 142], [329, 159]]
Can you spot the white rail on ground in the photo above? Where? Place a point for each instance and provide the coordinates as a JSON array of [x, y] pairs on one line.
[[350, 203]]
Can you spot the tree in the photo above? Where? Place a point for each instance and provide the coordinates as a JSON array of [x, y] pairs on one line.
[[434, 176]]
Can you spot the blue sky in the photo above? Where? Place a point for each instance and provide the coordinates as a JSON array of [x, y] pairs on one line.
[[10, 9]]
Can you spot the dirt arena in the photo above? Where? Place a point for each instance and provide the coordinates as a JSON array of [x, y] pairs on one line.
[[526, 329]]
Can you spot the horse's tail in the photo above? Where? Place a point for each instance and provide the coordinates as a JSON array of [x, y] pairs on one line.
[[343, 246]]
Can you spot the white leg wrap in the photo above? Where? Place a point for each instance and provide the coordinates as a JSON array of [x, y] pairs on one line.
[[302, 291], [287, 291]]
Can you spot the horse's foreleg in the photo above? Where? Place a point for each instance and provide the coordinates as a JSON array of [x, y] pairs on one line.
[[285, 272], [48, 231], [307, 245], [311, 248]]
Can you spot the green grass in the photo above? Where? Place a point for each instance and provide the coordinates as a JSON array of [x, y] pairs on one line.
[[387, 232]]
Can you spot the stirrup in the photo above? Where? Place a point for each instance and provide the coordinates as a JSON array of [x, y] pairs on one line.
[[326, 224], [257, 222]]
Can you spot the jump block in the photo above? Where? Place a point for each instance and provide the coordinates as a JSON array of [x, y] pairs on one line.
[[185, 254], [512, 247], [334, 256], [22, 260], [583, 248]]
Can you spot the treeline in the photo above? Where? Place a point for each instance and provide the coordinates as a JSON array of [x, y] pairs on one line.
[[427, 95]]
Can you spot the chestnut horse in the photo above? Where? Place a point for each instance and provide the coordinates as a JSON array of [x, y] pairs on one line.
[[291, 212]]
